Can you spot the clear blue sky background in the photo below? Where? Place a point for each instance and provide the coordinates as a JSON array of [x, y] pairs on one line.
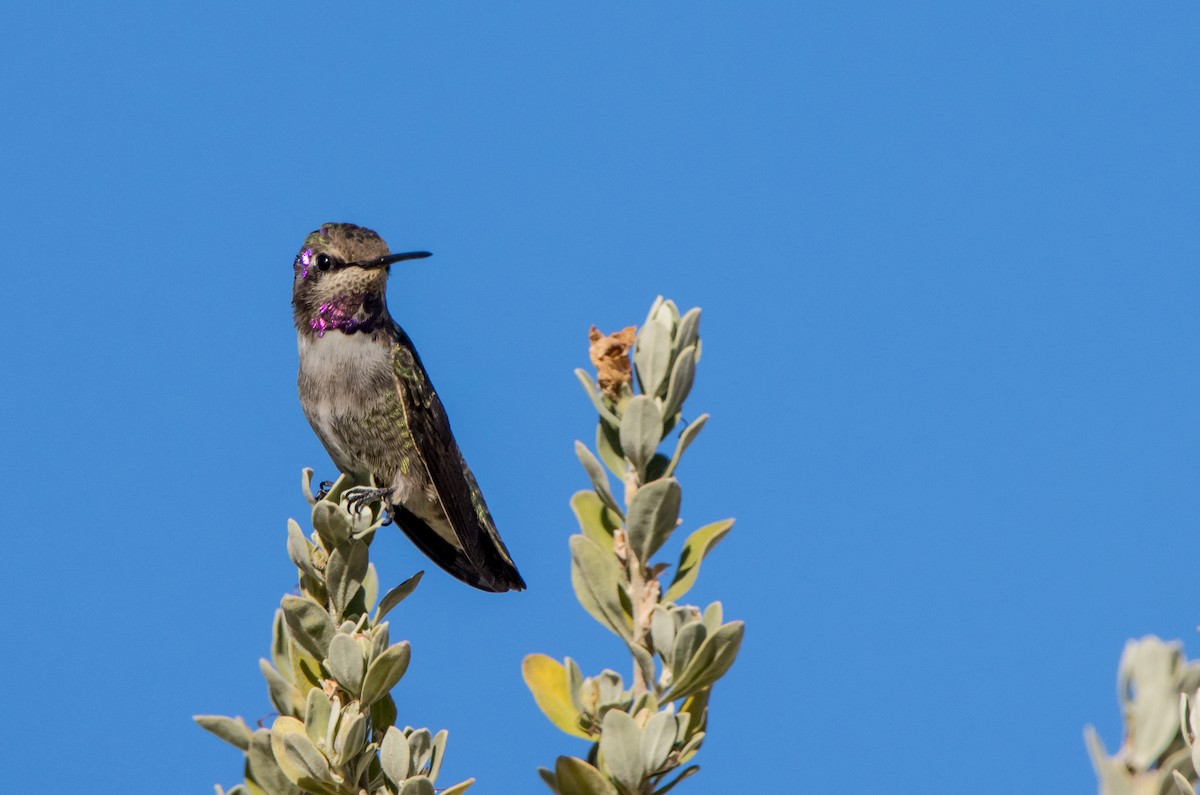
[[947, 255]]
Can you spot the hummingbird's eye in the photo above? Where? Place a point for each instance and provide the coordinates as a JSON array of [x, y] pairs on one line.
[[324, 262]]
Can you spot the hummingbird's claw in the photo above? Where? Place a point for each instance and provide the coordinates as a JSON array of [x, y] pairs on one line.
[[359, 497], [325, 486]]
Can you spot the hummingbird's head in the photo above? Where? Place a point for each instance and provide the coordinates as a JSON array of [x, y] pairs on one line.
[[343, 266]]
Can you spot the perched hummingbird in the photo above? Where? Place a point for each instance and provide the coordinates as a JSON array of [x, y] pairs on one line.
[[368, 397]]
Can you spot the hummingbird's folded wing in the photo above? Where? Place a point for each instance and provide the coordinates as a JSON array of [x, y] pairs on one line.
[[481, 548]]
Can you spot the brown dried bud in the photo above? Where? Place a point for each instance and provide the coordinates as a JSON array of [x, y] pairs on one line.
[[610, 355]]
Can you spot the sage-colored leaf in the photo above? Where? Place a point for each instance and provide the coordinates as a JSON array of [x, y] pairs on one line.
[[296, 755], [394, 756], [686, 437], [654, 307], [315, 786], [350, 739], [644, 661], [398, 595], [713, 616], [332, 523], [641, 431], [683, 374], [687, 333], [698, 544], [379, 640], [308, 624], [595, 473], [690, 748], [417, 786], [547, 680], [550, 779], [346, 663], [317, 712], [283, 694], [596, 520], [653, 514], [575, 686], [608, 445], [263, 771], [420, 745], [577, 777], [345, 572], [459, 788], [595, 576], [437, 753], [662, 630], [657, 740], [306, 476], [304, 756], [299, 550], [232, 730], [280, 655], [652, 356], [688, 640], [370, 586], [710, 662], [621, 749], [385, 671], [593, 392]]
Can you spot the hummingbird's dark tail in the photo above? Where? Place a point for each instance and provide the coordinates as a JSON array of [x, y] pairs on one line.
[[495, 573]]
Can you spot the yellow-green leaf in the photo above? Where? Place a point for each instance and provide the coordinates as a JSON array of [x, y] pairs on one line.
[[546, 679], [699, 544]]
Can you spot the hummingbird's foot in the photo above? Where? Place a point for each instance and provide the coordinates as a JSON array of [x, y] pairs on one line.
[[359, 497], [325, 487]]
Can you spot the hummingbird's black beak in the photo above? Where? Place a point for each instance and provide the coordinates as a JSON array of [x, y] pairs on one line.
[[383, 262]]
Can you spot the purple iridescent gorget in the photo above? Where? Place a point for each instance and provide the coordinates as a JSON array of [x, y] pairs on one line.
[[341, 316]]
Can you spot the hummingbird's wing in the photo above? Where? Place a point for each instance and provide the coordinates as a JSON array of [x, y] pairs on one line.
[[479, 558]]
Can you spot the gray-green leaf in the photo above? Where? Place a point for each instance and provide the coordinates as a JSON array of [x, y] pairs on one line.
[[593, 392], [283, 694], [686, 437], [657, 740], [683, 374], [232, 730], [652, 356], [385, 671], [710, 662], [345, 572], [394, 755], [698, 544], [346, 663], [418, 785], [596, 474], [641, 431], [577, 777], [299, 550], [331, 522], [621, 749], [308, 623], [653, 514], [398, 595], [595, 576]]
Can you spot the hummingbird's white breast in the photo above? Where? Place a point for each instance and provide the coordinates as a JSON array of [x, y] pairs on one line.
[[342, 377]]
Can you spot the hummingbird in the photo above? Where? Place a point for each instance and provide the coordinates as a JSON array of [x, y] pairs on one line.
[[367, 395]]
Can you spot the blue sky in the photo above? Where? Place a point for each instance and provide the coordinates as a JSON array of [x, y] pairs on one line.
[[947, 256]]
